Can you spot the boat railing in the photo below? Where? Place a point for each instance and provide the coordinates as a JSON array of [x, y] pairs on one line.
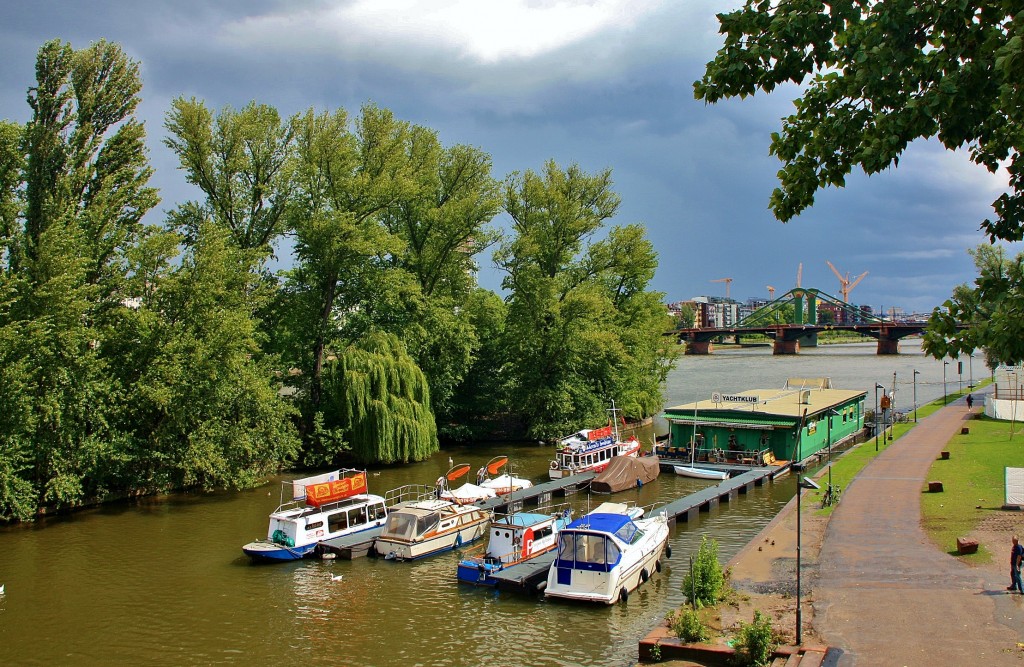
[[551, 509], [407, 493], [752, 457]]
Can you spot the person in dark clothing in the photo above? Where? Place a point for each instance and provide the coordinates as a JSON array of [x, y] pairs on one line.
[[970, 401], [1016, 555]]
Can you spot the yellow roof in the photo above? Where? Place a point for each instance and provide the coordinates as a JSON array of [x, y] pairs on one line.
[[780, 402]]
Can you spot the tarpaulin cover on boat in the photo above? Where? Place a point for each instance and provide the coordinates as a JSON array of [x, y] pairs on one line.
[[623, 472]]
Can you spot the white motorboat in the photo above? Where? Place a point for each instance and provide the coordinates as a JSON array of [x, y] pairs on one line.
[[429, 525], [606, 554], [466, 494], [426, 527], [700, 473], [322, 507]]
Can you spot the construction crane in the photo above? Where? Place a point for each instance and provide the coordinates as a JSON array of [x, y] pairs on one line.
[[845, 284], [799, 273], [771, 292], [727, 281]]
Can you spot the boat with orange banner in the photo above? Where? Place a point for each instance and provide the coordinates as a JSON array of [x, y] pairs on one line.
[[430, 525], [321, 507], [591, 450]]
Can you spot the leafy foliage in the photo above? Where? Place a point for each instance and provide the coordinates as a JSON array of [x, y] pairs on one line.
[[875, 77], [380, 401], [986, 316], [756, 641], [705, 583], [688, 627], [581, 328]]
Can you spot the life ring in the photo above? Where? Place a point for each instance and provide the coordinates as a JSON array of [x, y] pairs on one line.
[[554, 465]]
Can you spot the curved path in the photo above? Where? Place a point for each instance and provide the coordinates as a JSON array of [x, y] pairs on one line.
[[886, 594]]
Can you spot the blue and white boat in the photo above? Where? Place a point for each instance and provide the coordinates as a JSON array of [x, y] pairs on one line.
[[322, 507], [606, 554], [513, 539]]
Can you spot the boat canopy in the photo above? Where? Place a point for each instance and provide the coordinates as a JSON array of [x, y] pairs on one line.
[[620, 525], [626, 472]]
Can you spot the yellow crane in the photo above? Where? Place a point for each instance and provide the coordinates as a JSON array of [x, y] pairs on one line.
[[727, 281], [845, 284], [771, 292]]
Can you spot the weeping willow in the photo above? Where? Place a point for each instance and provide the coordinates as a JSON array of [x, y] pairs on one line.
[[379, 398]]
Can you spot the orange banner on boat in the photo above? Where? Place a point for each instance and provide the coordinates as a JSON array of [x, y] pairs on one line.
[[598, 433], [329, 492]]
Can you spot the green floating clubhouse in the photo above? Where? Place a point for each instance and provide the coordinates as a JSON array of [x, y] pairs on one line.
[[765, 426]]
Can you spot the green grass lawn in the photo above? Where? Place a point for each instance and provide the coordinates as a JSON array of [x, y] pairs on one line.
[[973, 482]]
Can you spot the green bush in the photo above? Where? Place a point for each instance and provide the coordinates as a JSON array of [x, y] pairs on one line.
[[704, 583], [755, 642], [688, 627]]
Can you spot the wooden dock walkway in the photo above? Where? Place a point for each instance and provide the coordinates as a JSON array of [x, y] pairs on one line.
[[361, 544]]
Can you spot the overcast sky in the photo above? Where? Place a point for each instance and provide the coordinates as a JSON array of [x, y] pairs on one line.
[[600, 83]]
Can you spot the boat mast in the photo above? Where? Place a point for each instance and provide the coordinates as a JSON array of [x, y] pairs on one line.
[[615, 422]]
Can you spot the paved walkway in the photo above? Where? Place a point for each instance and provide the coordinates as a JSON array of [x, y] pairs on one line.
[[887, 595]]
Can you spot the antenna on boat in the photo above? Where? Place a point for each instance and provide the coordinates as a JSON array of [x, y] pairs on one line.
[[615, 421]]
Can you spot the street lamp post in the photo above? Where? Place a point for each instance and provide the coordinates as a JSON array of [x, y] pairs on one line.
[[892, 407], [916, 373], [831, 413], [960, 376], [801, 484], [944, 364], [970, 369], [877, 387]]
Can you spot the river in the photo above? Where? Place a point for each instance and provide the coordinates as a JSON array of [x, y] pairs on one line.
[[163, 581]]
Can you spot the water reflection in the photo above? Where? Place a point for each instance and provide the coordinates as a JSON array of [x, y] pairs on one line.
[[164, 582]]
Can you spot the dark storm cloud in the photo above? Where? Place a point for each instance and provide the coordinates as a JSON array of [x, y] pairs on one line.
[[605, 84]]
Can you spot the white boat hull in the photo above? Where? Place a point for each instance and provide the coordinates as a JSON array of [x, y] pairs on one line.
[[700, 473], [403, 550], [637, 564]]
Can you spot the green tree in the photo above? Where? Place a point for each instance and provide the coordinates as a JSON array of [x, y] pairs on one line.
[[241, 160], [73, 191], [985, 316], [205, 409], [581, 329], [377, 395], [876, 76], [344, 181]]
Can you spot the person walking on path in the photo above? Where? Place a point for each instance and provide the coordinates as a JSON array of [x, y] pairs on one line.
[[1016, 555], [970, 401]]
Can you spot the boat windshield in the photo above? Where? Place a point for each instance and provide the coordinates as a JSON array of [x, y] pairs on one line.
[[586, 550], [408, 525]]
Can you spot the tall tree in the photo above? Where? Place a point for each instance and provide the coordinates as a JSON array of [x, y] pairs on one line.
[[875, 76], [579, 321], [241, 160], [345, 180], [73, 196]]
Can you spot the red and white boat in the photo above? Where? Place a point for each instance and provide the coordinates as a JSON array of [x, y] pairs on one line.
[[590, 450]]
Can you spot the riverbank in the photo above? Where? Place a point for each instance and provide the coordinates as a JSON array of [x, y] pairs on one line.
[[874, 585]]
